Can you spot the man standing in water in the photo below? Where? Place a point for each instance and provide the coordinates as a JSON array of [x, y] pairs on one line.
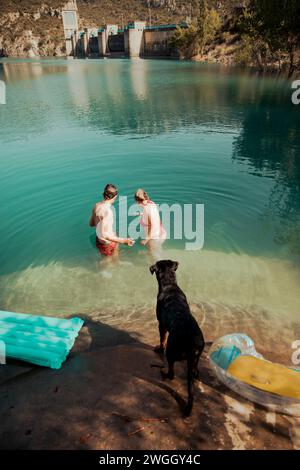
[[102, 218]]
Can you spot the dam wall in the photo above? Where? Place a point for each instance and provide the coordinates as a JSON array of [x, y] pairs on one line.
[[157, 42], [135, 40], [104, 34], [116, 44], [70, 25]]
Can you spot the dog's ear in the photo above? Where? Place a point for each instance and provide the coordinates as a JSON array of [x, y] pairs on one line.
[[175, 265], [153, 268]]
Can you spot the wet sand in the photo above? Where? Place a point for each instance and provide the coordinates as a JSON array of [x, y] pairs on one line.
[[107, 395]]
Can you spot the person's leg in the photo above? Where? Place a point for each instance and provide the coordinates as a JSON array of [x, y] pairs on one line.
[[115, 253], [155, 249], [108, 256]]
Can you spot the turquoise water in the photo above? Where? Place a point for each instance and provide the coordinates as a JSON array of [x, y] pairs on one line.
[[187, 133]]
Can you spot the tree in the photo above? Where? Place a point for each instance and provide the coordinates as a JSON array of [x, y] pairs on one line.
[[276, 23], [185, 41], [202, 23], [191, 41]]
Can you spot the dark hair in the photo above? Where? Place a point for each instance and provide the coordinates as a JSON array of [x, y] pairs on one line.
[[110, 191]]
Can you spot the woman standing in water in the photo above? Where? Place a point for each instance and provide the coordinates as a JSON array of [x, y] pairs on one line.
[[155, 233]]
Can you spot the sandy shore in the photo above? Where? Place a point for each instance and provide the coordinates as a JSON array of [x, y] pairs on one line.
[[108, 396]]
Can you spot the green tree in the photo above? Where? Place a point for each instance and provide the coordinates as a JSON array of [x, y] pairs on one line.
[[208, 24], [202, 24], [185, 41], [277, 23]]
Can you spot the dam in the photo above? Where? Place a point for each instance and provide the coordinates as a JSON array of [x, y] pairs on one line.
[[136, 39]]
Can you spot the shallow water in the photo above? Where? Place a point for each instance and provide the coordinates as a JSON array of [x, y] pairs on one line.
[[187, 133]]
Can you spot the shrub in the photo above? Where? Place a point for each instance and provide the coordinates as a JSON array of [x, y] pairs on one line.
[[192, 40], [244, 54], [254, 51], [185, 41]]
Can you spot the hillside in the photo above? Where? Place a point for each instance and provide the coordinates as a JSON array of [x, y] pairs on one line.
[[31, 28], [111, 11], [34, 27]]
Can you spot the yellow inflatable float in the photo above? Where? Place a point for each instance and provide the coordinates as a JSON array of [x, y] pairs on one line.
[[236, 363]]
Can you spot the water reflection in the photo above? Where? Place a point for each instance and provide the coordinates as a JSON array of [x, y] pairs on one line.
[[30, 97], [122, 97], [144, 98], [268, 146], [77, 88], [139, 71], [140, 97], [12, 72]]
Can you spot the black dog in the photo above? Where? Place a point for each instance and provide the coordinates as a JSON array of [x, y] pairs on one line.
[[185, 340]]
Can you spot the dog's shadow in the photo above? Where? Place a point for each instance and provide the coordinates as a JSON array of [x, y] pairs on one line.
[[163, 383], [206, 377], [103, 335]]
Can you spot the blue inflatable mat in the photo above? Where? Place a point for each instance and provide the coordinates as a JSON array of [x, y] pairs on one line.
[[45, 341]]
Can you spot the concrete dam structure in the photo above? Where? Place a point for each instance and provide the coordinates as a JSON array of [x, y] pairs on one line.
[[137, 39]]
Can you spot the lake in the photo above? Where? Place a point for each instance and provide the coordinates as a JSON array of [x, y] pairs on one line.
[[186, 132]]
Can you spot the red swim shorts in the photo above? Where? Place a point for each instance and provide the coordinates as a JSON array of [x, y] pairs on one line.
[[106, 249]]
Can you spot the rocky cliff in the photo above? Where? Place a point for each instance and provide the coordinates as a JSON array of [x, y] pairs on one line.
[[31, 30]]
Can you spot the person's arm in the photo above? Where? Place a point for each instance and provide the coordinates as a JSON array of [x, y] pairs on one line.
[[110, 236], [92, 219], [148, 227], [149, 233], [148, 236], [115, 238]]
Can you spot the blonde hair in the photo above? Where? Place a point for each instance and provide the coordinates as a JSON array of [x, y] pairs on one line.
[[141, 195]]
